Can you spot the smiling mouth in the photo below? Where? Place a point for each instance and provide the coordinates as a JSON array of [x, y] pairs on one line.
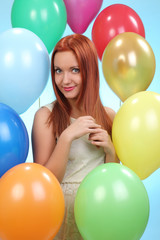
[[68, 88]]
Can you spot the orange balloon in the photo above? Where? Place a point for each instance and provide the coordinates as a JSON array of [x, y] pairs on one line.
[[31, 203]]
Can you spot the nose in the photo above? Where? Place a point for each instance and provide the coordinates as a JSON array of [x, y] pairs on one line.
[[66, 78]]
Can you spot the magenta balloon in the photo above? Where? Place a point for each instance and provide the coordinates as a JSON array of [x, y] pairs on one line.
[[80, 13]]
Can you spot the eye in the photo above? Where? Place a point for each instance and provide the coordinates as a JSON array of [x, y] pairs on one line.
[[57, 70], [75, 70]]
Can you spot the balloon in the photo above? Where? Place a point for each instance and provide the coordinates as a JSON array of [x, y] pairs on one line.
[[136, 133], [111, 203], [80, 13], [14, 140], [24, 68], [31, 203], [46, 18], [113, 20], [128, 64]]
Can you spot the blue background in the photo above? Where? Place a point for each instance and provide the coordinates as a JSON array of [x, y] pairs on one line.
[[149, 12]]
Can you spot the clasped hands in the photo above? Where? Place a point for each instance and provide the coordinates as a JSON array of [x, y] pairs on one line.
[[97, 135]]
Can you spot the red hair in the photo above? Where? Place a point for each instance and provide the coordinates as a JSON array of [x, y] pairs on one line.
[[86, 55]]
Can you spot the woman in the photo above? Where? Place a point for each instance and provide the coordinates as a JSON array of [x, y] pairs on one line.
[[72, 135]]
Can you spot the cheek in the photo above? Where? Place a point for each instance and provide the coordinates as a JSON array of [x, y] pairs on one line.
[[57, 80], [79, 80]]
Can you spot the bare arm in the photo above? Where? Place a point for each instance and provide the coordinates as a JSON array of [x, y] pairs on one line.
[[45, 150], [54, 155]]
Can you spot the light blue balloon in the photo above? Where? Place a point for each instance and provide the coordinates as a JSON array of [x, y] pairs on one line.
[[24, 68]]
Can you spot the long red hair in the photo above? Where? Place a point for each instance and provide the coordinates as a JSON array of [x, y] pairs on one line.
[[86, 55]]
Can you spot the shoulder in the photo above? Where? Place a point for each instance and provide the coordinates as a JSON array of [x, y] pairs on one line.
[[41, 119], [49, 106], [42, 114], [111, 113], [41, 128], [45, 111]]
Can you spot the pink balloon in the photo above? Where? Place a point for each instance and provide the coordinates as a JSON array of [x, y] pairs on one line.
[[80, 13]]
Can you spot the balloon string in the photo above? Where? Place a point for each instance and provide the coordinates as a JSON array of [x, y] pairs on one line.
[[39, 102], [120, 103]]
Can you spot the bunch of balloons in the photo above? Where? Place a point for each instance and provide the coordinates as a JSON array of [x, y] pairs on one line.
[[115, 19], [25, 48], [31, 199], [125, 56], [111, 203], [128, 61], [31, 203], [46, 18]]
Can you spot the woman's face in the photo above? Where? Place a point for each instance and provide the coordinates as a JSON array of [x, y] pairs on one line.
[[67, 74]]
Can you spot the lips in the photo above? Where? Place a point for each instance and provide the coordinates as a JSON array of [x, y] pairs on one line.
[[68, 88]]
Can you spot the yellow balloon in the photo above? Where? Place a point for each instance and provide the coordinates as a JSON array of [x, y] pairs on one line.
[[136, 133], [128, 64]]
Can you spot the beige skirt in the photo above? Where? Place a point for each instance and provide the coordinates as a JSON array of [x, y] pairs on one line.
[[69, 230]]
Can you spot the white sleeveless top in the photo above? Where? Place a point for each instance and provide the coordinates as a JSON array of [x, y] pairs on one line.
[[83, 158]]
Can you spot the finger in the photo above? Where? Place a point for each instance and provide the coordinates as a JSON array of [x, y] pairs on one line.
[[87, 118], [98, 143], [94, 126], [91, 131], [99, 134]]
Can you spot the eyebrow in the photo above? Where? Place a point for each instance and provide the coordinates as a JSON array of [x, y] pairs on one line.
[[70, 67]]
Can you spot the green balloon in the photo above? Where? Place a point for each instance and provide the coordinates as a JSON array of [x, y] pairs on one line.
[[111, 204], [46, 18]]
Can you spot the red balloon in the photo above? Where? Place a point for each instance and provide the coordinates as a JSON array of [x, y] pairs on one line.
[[113, 20]]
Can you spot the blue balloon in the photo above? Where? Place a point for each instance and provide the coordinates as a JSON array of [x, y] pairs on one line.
[[14, 140], [24, 68]]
